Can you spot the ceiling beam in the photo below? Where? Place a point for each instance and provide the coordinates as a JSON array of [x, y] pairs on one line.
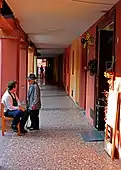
[[4, 25]]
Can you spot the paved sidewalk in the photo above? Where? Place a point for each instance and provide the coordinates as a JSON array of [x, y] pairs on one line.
[[58, 145]]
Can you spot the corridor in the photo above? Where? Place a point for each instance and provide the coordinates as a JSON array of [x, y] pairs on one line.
[[58, 145]]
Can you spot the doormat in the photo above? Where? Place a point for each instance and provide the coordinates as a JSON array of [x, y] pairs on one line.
[[92, 136]]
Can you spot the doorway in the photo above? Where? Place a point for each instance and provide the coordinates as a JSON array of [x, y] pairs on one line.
[[106, 56]]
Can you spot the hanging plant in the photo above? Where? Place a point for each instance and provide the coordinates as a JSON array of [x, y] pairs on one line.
[[88, 40], [92, 67]]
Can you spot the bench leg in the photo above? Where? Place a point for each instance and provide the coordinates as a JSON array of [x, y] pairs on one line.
[[2, 132]]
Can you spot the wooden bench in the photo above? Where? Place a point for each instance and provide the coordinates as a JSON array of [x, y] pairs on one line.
[[4, 119]]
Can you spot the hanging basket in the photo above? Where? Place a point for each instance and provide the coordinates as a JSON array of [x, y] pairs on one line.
[[88, 40], [92, 67]]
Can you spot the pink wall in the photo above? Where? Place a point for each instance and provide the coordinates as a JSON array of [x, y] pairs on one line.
[[82, 90], [90, 88], [0, 63], [23, 74], [9, 62], [87, 82]]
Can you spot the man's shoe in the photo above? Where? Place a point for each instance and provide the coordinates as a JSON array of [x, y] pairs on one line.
[[15, 130], [31, 129], [23, 131], [36, 128], [14, 127]]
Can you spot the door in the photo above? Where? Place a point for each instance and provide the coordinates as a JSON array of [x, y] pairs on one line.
[[105, 59], [105, 55]]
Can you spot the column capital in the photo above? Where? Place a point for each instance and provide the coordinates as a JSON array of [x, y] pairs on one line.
[[9, 34], [23, 45], [14, 22]]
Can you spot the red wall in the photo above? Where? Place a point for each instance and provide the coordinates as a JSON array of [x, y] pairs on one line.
[[9, 51], [90, 81], [23, 74], [9, 62], [0, 65], [82, 89], [13, 62], [90, 90]]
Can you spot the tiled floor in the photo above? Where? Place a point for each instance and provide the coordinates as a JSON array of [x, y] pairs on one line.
[[58, 145]]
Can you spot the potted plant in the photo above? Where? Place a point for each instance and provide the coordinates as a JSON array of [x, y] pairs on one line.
[[92, 67]]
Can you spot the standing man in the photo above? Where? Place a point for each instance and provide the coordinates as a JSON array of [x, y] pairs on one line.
[[41, 72], [12, 107], [34, 102]]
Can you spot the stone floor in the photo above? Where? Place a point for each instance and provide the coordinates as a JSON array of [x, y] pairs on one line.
[[58, 145]]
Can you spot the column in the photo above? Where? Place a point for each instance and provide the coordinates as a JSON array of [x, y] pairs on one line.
[[9, 60], [23, 62], [30, 60], [35, 65]]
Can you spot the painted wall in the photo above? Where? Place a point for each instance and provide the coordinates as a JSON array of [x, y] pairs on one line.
[[9, 61], [75, 70], [13, 62], [35, 65], [0, 67], [83, 78], [78, 54], [87, 83], [72, 92], [23, 74], [90, 82], [30, 60], [67, 65], [91, 53]]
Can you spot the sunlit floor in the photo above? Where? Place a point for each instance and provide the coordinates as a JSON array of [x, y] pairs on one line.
[[58, 145]]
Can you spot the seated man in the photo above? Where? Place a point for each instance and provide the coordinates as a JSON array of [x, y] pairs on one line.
[[13, 107]]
